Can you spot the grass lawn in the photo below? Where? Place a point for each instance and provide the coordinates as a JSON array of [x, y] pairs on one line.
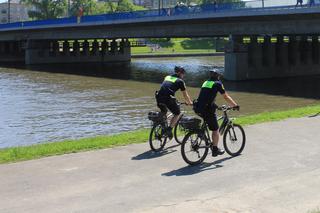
[[141, 136], [178, 45]]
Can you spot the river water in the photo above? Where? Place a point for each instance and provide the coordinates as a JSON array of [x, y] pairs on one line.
[[54, 103]]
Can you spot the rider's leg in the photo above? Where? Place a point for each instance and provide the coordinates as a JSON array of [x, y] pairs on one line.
[[175, 109], [174, 120], [215, 138], [214, 127]]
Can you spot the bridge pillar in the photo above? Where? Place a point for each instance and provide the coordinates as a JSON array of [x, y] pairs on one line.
[[2, 47], [236, 59], [66, 48], [268, 60], [104, 47], [11, 51], [114, 47], [293, 51], [304, 50], [95, 48], [315, 49], [280, 52], [85, 46], [47, 52]]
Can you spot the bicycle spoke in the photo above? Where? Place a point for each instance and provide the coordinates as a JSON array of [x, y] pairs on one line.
[[234, 140], [194, 149]]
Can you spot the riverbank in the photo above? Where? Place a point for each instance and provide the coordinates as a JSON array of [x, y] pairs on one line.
[[22, 153], [163, 55]]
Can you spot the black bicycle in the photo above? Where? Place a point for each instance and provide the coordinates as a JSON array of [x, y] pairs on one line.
[[160, 122], [196, 143]]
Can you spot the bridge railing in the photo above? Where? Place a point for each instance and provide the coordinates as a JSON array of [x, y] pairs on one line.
[[175, 11]]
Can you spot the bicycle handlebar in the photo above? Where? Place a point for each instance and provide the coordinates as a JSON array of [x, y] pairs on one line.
[[182, 103], [228, 108]]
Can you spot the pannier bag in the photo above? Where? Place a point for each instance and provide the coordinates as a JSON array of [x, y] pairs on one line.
[[190, 123], [154, 116]]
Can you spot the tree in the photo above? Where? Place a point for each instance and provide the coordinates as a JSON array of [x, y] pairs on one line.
[[87, 6], [46, 9], [125, 6]]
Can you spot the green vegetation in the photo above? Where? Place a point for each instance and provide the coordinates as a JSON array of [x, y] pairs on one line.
[[71, 146], [179, 45], [314, 211], [45, 9], [48, 9]]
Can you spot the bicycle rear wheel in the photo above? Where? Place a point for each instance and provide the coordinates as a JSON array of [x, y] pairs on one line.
[[234, 140], [157, 140], [194, 149]]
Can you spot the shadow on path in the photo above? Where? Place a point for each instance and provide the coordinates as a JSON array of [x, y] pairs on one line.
[[190, 170], [151, 154]]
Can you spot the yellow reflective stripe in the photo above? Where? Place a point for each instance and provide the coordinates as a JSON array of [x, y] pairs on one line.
[[170, 78], [208, 84]]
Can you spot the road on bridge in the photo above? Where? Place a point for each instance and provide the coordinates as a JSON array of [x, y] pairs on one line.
[[278, 172]]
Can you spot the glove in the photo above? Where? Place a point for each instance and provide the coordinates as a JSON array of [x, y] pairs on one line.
[[236, 108]]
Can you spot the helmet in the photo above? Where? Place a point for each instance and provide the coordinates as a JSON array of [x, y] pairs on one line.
[[179, 69], [215, 70], [215, 73]]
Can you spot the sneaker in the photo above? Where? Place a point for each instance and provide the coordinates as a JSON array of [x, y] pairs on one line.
[[216, 151]]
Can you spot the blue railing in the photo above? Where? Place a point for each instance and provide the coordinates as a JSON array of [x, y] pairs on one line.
[[175, 11]]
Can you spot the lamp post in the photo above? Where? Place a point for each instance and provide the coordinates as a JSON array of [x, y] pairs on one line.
[[262, 3], [9, 1]]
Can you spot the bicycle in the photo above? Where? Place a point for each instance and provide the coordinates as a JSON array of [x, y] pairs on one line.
[[197, 141], [160, 123]]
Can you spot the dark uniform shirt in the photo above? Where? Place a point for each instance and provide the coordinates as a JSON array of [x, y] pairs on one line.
[[170, 85], [208, 94]]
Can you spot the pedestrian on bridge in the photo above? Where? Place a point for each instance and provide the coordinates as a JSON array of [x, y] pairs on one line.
[[312, 3], [299, 2], [215, 5]]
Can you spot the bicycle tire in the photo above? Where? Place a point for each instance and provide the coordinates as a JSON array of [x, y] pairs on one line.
[[175, 132], [227, 144], [159, 139], [189, 138]]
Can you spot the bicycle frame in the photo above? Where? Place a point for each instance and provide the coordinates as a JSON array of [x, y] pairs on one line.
[[226, 121]]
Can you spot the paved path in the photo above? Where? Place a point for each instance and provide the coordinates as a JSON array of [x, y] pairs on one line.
[[279, 171]]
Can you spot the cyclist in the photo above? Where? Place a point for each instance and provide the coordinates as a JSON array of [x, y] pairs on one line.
[[205, 106], [165, 96]]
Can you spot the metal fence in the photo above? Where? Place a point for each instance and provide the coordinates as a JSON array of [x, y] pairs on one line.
[[164, 12]]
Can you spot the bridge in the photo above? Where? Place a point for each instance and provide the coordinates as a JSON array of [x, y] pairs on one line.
[[263, 42]]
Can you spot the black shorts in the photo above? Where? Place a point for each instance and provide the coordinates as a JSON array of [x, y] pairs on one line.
[[165, 103], [210, 118]]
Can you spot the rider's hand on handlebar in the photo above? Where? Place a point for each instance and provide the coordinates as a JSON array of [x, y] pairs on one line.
[[236, 108]]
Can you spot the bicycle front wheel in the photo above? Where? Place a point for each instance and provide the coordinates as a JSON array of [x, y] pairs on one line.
[[179, 131], [157, 140], [194, 149], [234, 140]]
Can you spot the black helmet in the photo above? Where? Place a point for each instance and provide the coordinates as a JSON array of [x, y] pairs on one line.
[[215, 73], [179, 69]]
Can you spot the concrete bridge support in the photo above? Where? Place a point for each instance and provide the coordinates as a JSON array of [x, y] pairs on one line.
[[56, 52], [11, 51], [274, 57]]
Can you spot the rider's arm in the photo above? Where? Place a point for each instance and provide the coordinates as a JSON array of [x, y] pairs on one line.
[[187, 97], [229, 99]]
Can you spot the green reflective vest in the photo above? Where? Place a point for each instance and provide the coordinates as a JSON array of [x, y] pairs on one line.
[[208, 84], [170, 78]]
